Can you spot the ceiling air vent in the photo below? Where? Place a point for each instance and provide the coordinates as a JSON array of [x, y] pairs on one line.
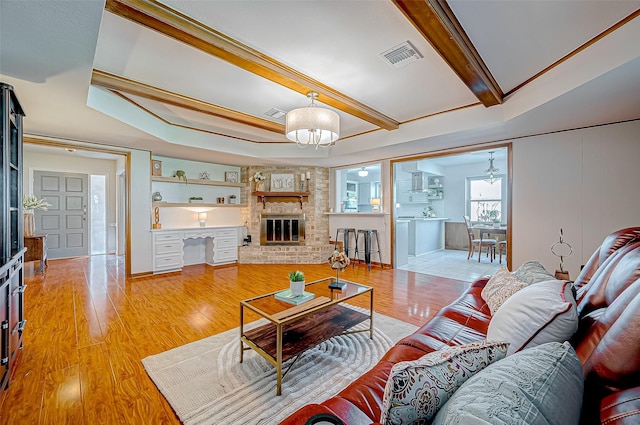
[[275, 113], [401, 55]]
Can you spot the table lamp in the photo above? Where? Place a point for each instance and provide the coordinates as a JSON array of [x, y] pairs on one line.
[[375, 203]]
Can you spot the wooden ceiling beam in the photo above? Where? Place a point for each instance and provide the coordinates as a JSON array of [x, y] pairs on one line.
[[117, 83], [178, 26], [435, 20]]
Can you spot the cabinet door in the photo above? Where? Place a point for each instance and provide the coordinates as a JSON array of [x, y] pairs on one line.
[[418, 197], [16, 304], [4, 329], [402, 190], [364, 193]]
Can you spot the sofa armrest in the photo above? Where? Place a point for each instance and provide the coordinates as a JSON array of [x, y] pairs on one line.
[[312, 413], [480, 282], [621, 408]]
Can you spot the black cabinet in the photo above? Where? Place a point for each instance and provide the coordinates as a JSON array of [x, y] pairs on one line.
[[12, 244]]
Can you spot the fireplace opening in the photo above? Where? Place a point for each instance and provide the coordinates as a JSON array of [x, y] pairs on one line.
[[282, 229]]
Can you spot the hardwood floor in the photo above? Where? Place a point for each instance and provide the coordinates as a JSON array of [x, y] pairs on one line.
[[88, 328]]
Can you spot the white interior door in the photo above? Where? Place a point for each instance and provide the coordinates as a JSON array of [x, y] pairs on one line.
[[65, 222]]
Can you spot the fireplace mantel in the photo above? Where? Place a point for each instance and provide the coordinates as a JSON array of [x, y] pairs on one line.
[[265, 197]]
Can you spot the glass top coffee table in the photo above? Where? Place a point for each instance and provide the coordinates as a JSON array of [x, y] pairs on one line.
[[293, 329]]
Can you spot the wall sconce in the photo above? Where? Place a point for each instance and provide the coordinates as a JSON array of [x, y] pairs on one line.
[[375, 202], [202, 217]]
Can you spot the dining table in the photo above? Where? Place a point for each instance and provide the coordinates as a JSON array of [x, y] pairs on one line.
[[486, 229]]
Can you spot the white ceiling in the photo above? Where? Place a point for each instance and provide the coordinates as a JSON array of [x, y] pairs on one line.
[[337, 43]]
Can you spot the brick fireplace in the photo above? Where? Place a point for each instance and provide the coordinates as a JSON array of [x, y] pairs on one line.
[[312, 244]]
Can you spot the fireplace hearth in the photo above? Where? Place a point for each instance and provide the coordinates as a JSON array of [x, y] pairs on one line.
[[282, 229]]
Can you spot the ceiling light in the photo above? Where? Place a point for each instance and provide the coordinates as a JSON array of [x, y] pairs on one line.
[[363, 172], [312, 125], [491, 171]]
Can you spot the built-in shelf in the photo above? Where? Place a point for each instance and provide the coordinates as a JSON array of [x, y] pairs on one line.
[[196, 181], [162, 204], [282, 197]]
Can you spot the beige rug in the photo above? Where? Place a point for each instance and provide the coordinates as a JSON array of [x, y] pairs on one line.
[[205, 383]]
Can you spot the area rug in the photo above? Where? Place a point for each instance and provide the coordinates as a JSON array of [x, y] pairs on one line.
[[205, 383]]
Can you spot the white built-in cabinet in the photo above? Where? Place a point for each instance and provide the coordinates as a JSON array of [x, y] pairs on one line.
[[176, 248]]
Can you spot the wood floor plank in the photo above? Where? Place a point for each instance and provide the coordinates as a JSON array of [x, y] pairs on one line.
[[62, 400], [89, 328]]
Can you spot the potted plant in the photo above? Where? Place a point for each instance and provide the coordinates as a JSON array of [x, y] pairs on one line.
[[494, 216], [29, 205], [296, 282], [195, 199]]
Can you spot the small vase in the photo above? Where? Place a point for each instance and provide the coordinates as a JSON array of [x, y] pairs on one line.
[[157, 196], [28, 224], [260, 186], [297, 288]]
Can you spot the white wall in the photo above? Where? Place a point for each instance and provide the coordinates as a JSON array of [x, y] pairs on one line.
[[140, 206], [585, 181], [68, 163]]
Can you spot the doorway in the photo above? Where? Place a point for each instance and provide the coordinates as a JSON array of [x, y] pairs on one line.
[[431, 194], [105, 223]]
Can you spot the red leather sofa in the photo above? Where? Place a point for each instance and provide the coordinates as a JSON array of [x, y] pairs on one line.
[[607, 342]]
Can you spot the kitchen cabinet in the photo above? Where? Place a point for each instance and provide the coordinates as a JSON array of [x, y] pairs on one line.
[[426, 235], [364, 193], [402, 191], [402, 243], [418, 197]]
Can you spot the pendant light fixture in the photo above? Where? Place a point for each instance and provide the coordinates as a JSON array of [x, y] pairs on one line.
[[313, 126], [363, 172], [491, 171]]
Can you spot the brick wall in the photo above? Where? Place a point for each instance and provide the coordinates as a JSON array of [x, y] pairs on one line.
[[316, 248]]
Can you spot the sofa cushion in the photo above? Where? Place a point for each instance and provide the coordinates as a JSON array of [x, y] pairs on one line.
[[501, 286], [542, 312], [417, 389], [532, 272], [541, 385]]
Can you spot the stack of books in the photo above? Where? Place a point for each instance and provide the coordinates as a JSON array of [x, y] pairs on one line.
[[288, 297]]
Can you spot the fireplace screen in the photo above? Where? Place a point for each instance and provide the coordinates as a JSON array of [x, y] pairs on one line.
[[280, 229]]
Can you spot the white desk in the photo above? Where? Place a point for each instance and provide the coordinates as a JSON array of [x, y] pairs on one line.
[[176, 248]]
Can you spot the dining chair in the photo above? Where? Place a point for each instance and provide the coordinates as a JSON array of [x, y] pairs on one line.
[[502, 246], [490, 244]]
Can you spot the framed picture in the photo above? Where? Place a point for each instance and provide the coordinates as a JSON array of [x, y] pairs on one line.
[[156, 167], [231, 176], [282, 183]]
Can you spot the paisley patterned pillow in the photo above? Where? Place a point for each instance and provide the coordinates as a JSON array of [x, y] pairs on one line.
[[499, 288], [417, 389]]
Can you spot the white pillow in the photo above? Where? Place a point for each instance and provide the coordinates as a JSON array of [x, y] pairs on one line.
[[499, 288], [539, 313]]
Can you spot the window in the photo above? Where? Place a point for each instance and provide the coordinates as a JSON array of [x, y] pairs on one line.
[[356, 188], [485, 200]]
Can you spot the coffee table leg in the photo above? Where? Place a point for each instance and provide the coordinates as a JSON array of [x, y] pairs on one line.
[[241, 332], [279, 359], [371, 317]]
